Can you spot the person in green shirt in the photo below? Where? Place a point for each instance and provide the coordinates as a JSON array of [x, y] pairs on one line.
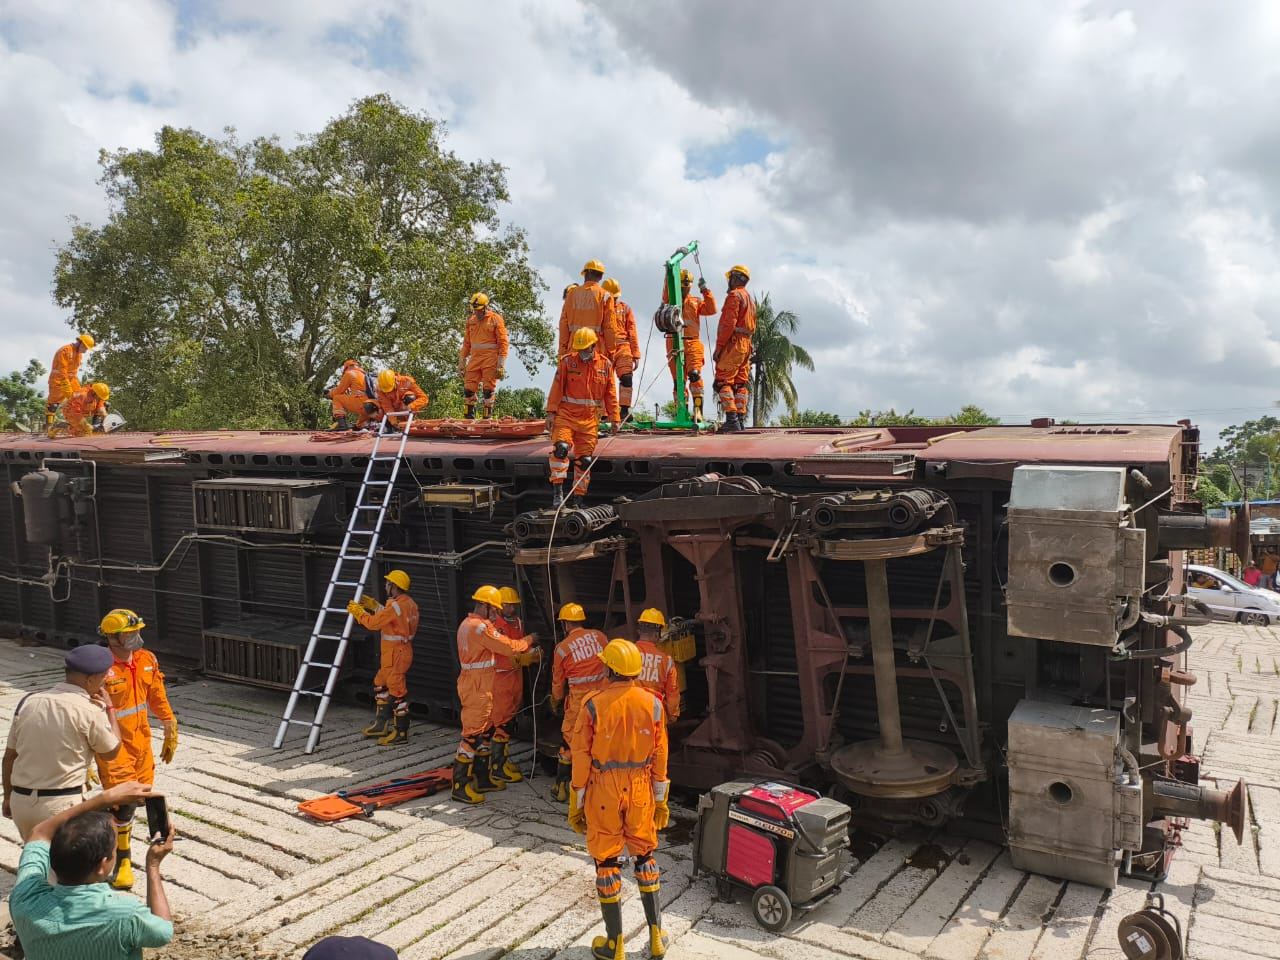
[[81, 918]]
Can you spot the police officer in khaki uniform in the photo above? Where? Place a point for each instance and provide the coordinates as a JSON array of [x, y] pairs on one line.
[[54, 736]]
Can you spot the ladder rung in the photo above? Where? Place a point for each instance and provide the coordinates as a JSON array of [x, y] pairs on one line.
[[310, 693], [366, 506], [335, 609], [302, 723], [329, 636], [384, 459], [346, 583], [377, 483], [317, 663]]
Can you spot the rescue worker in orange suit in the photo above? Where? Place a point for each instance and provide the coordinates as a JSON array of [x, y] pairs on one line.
[[659, 673], [693, 309], [588, 306], [733, 349], [508, 685], [84, 410], [135, 685], [582, 389], [397, 619], [479, 643], [64, 374], [626, 353], [620, 790], [350, 397], [398, 392], [575, 673], [482, 361]]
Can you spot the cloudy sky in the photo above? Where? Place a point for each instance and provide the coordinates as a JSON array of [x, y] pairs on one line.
[[1056, 209]]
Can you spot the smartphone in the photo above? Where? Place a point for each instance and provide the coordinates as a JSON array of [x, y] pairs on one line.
[[157, 819]]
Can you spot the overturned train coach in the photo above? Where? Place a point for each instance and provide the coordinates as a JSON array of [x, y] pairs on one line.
[[976, 626]]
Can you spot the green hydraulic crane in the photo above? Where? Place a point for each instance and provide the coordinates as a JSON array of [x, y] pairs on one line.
[[670, 320]]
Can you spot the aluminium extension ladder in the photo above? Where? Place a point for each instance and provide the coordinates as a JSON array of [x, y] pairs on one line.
[[357, 553]]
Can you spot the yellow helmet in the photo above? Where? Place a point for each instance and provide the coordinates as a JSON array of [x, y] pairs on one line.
[[685, 277], [508, 594], [479, 300], [399, 578], [623, 657], [612, 286], [86, 340], [489, 595], [101, 391], [653, 616], [573, 613], [593, 266], [120, 620], [738, 268], [387, 381], [583, 338]]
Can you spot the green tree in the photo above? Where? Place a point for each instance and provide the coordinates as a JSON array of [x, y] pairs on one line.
[[21, 401], [774, 355], [973, 415], [232, 279], [810, 418], [889, 418]]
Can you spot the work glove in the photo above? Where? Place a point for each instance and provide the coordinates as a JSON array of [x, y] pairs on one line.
[[170, 746], [410, 398], [369, 603], [661, 811], [557, 706], [702, 285], [577, 815], [91, 778], [551, 421], [715, 356], [615, 426], [462, 368], [501, 374], [355, 610]]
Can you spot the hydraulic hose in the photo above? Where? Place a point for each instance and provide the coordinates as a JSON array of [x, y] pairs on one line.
[[1182, 646]]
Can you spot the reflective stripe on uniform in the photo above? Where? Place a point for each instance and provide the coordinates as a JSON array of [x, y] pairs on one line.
[[121, 714], [581, 401], [395, 638], [621, 764], [480, 665], [592, 679], [741, 330]]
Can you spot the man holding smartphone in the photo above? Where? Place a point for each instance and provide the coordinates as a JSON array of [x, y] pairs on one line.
[[80, 916]]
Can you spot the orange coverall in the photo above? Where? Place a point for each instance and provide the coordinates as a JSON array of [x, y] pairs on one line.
[[577, 394], [135, 686], [588, 305], [350, 394], [393, 402], [576, 666], [64, 375], [484, 350], [508, 677], [660, 676], [619, 750], [693, 310], [398, 621], [479, 643], [733, 350], [626, 354], [81, 409]]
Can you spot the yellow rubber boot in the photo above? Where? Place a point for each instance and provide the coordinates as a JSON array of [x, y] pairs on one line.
[[381, 725], [560, 790], [500, 766], [398, 734], [122, 878]]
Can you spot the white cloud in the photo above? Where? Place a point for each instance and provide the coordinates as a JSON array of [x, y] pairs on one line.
[[1038, 208]]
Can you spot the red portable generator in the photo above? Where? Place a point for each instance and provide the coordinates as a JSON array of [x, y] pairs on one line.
[[788, 845]]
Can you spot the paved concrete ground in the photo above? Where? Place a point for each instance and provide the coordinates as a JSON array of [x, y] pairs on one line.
[[510, 880]]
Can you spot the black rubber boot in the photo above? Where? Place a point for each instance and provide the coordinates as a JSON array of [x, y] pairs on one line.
[[658, 940], [557, 495], [469, 411], [464, 785], [398, 734], [485, 781], [500, 765], [609, 947], [381, 721], [731, 423], [560, 790]]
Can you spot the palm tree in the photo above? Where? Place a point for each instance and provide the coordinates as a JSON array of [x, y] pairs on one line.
[[774, 356]]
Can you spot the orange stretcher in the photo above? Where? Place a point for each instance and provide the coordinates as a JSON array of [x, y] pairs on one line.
[[363, 801]]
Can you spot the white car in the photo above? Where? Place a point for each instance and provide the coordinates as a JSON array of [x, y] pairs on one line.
[[1230, 598]]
